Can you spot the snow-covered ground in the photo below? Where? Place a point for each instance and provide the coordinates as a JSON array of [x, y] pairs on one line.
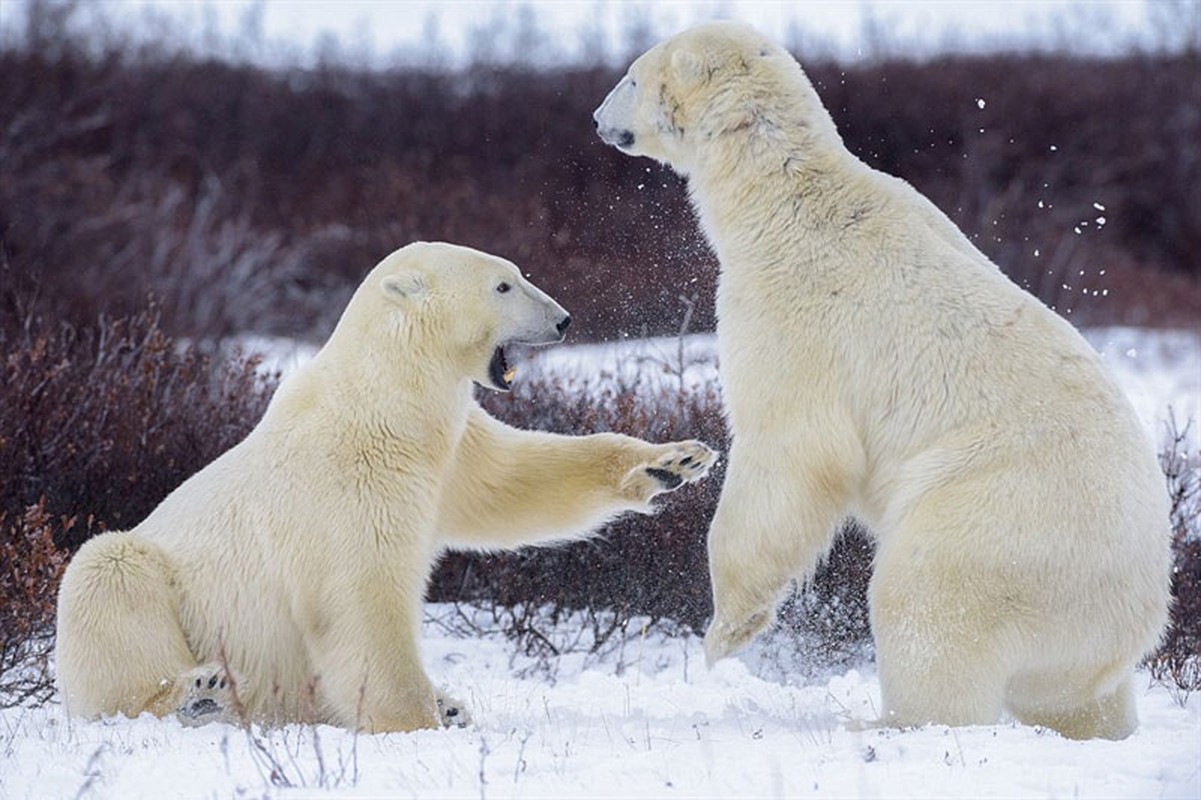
[[647, 719]]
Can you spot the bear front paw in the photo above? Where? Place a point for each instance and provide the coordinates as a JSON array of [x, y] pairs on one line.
[[680, 463]]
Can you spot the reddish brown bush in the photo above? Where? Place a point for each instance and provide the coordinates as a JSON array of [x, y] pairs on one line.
[[1178, 659], [652, 567], [248, 198], [30, 568], [105, 421]]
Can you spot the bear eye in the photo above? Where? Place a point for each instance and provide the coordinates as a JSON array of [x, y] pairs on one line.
[[503, 287]]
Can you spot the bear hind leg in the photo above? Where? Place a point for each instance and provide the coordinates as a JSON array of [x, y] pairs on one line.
[[939, 662], [961, 686], [120, 648]]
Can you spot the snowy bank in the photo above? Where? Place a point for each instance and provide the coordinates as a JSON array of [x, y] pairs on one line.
[[644, 721]]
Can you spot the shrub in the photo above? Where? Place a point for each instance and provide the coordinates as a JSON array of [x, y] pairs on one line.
[[104, 421], [154, 412], [642, 572], [641, 566], [1178, 659], [30, 568], [252, 197]]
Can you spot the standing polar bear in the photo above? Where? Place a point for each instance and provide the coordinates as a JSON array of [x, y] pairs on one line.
[[875, 363], [298, 559]]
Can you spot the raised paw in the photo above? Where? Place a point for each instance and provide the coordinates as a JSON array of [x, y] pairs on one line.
[[680, 463], [452, 713], [208, 696]]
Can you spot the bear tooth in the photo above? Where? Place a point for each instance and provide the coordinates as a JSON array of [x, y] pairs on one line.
[[510, 373]]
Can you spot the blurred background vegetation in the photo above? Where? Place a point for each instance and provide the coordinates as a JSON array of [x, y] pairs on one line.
[[156, 201], [249, 198]]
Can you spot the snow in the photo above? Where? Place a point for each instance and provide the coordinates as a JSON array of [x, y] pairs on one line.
[[644, 718], [1160, 371]]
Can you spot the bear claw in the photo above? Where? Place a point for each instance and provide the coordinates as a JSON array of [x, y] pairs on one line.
[[684, 462], [671, 466]]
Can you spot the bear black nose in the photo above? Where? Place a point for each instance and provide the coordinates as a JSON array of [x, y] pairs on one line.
[[562, 326]]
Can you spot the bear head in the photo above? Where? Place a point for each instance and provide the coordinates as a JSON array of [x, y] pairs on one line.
[[689, 92], [450, 307]]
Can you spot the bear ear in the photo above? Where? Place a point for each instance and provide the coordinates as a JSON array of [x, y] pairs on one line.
[[688, 69], [406, 285]]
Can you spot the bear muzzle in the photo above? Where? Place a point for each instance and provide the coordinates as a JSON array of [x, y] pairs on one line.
[[621, 138], [612, 116], [501, 371]]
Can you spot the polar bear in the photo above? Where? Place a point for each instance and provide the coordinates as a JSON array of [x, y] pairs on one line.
[[874, 363], [284, 581]]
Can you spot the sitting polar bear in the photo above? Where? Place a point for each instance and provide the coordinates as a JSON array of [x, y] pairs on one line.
[[284, 581], [875, 363]]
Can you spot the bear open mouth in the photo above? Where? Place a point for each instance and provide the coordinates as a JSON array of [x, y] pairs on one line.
[[499, 370]]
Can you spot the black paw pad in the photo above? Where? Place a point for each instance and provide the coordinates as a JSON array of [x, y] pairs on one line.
[[200, 708], [669, 480]]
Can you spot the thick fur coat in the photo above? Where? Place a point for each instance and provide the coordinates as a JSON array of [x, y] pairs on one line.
[[284, 581], [875, 363]]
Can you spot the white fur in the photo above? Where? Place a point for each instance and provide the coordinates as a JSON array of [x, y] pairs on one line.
[[875, 363], [295, 564]]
